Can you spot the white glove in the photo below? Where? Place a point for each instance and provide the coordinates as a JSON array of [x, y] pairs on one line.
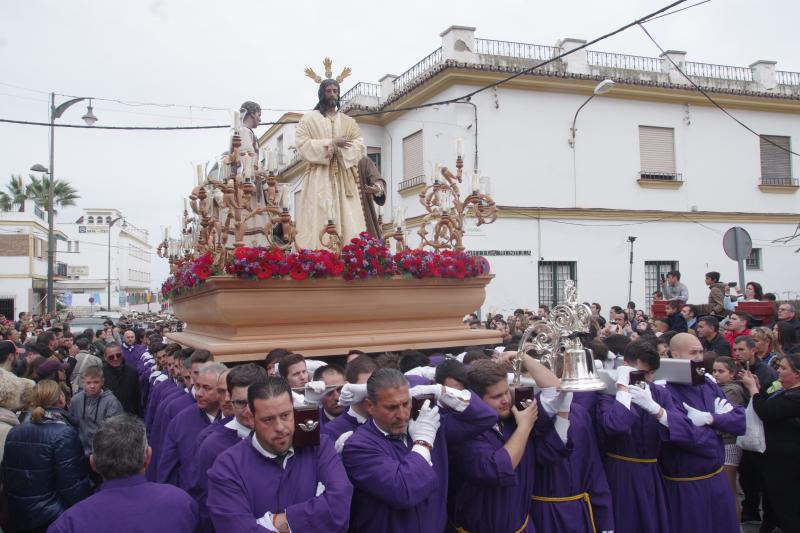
[[722, 406], [623, 375], [555, 402], [314, 391], [266, 522], [352, 393], [427, 372], [422, 390], [339, 444], [643, 397], [298, 400], [426, 425], [698, 418], [455, 399], [320, 489]]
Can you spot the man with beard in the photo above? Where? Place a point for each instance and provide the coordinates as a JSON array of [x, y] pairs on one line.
[[332, 145]]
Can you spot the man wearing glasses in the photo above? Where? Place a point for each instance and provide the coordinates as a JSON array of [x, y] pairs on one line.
[[788, 313], [121, 379]]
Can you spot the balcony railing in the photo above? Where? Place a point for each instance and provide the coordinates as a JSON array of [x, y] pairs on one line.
[[783, 77], [779, 181], [623, 61], [719, 72], [511, 49], [657, 175], [411, 182], [361, 89], [433, 59]]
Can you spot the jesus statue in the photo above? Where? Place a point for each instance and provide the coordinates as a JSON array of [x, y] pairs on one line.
[[331, 143]]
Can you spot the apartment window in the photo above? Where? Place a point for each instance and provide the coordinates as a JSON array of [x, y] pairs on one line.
[[375, 154], [776, 162], [90, 220], [753, 261], [279, 149], [653, 270], [413, 168], [552, 275], [657, 153]]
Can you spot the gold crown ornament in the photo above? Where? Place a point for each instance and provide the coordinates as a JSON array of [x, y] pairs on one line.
[[327, 63]]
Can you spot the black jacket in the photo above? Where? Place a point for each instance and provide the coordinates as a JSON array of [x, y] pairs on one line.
[[781, 416], [677, 322], [123, 381], [718, 345], [44, 469]]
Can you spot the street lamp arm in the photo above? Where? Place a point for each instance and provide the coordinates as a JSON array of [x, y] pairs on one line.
[[58, 111], [575, 120]]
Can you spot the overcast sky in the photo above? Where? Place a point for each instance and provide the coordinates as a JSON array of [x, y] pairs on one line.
[[204, 53]]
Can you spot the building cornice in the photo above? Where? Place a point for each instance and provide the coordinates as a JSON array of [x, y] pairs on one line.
[[275, 128]]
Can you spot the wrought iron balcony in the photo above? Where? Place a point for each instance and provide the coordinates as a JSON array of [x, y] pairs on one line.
[[657, 175], [786, 182]]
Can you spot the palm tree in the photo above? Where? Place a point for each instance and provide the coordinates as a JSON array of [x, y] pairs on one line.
[[39, 190], [16, 195]]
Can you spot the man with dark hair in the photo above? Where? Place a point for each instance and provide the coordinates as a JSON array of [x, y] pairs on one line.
[[412, 359], [331, 379], [744, 351], [293, 369], [452, 373], [711, 340], [399, 466], [273, 358], [238, 381], [332, 145], [264, 481], [84, 360], [352, 396], [125, 499], [178, 445], [716, 294], [675, 320], [616, 344], [631, 437], [689, 312], [474, 355], [672, 287], [122, 379], [692, 465], [496, 467]]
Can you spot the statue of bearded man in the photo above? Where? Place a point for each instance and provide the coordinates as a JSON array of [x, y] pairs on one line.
[[331, 143]]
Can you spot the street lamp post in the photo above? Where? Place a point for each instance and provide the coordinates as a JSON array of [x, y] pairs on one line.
[[631, 240], [601, 88], [108, 278], [56, 112]]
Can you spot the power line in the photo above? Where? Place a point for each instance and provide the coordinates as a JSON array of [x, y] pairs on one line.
[[704, 93]]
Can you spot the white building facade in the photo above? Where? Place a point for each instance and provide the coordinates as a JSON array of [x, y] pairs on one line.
[[99, 239], [23, 260], [651, 159]]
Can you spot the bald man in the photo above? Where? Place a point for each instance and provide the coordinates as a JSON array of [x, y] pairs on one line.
[[699, 495]]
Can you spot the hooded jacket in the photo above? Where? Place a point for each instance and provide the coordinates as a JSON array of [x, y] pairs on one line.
[[87, 413], [716, 298]]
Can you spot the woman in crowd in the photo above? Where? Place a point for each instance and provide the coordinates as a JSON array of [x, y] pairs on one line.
[[766, 347], [780, 413], [753, 292], [724, 372], [785, 338], [43, 463]]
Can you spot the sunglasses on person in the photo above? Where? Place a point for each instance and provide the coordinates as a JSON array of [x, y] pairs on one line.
[[114, 356]]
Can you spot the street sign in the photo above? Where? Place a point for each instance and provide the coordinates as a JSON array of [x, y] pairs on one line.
[[91, 300], [737, 245]]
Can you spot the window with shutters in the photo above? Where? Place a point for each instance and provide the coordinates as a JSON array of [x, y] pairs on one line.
[[552, 275], [413, 168], [374, 153], [657, 153], [654, 271], [776, 162], [753, 261]]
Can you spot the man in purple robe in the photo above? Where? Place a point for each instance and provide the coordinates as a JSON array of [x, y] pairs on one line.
[[698, 493], [631, 426], [131, 352], [399, 466], [178, 446], [225, 436], [126, 501], [352, 396], [496, 467], [331, 377], [570, 490], [265, 483]]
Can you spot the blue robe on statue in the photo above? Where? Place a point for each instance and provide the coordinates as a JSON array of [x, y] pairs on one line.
[[243, 485], [570, 490], [698, 493]]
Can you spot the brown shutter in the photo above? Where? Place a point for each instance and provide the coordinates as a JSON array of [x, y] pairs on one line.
[[412, 156], [776, 164], [657, 150]]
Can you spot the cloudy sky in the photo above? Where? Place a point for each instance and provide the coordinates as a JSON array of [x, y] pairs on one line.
[[197, 58]]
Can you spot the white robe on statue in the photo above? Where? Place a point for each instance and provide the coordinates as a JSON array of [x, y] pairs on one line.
[[328, 180]]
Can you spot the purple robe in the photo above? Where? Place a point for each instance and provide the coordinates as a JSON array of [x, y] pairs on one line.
[[342, 424], [702, 505], [637, 489], [564, 471], [133, 505], [243, 485], [171, 406], [396, 490], [490, 494], [211, 442], [132, 354], [178, 447], [157, 392]]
